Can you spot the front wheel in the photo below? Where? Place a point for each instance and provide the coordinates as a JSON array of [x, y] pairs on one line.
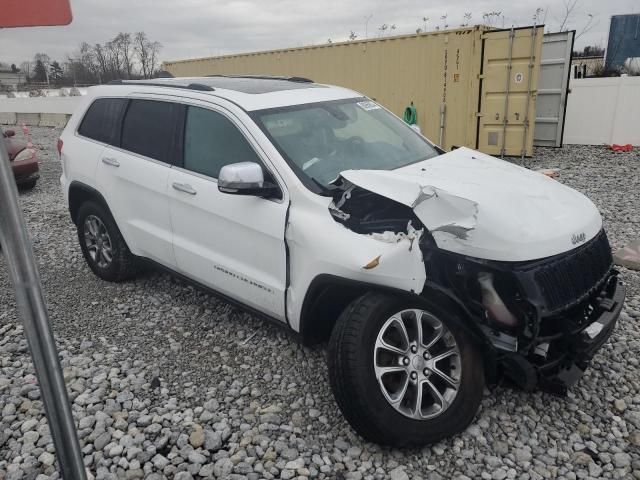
[[404, 373]]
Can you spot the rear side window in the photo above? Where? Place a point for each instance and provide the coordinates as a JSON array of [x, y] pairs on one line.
[[148, 129], [211, 141], [101, 122]]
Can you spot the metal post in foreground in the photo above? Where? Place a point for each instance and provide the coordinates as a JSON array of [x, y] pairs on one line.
[[17, 249]]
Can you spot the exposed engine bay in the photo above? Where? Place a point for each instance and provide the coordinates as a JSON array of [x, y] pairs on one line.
[[540, 320]]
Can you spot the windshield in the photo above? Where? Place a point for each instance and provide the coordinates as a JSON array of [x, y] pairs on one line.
[[321, 140]]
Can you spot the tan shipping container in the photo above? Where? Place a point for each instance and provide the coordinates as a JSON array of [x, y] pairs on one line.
[[471, 86]]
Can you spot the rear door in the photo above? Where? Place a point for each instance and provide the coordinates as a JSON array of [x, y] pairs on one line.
[[133, 177], [231, 243], [553, 86], [510, 68]]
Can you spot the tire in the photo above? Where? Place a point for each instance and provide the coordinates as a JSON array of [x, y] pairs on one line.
[[30, 185], [354, 376], [120, 264]]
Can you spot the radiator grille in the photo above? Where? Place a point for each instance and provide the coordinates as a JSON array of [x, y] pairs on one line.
[[568, 279]]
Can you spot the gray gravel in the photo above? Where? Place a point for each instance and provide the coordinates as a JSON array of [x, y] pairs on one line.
[[167, 381]]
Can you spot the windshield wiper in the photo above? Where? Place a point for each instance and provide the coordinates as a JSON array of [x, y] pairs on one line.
[[324, 189]]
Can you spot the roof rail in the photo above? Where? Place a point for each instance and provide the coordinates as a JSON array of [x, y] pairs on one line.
[[192, 86], [268, 77]]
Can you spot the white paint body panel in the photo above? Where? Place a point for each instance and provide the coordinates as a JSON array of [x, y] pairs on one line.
[[136, 192], [502, 211], [266, 253], [232, 243]]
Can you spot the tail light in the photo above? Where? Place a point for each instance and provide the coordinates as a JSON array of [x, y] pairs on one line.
[[59, 145]]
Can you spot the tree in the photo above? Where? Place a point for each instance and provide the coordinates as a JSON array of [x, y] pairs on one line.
[[569, 11], [102, 63], [14, 69], [25, 67], [147, 52], [491, 18], [55, 72], [352, 36], [40, 73], [445, 25], [122, 42]]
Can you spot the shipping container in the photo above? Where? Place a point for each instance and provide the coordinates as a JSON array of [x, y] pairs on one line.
[[472, 86]]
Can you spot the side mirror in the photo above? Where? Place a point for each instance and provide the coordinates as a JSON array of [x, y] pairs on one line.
[[245, 178], [9, 133]]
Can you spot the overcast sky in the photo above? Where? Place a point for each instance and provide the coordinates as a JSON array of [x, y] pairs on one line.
[[196, 28]]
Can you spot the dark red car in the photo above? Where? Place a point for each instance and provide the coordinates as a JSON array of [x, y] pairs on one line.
[[24, 163]]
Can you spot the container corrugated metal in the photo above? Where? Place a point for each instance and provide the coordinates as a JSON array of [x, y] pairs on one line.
[[440, 72]]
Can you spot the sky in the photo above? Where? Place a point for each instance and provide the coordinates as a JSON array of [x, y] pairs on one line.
[[200, 28]]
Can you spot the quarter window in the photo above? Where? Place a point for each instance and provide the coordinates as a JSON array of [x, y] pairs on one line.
[[211, 141], [102, 120], [149, 128]]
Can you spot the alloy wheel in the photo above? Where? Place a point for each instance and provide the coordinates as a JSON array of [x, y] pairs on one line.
[[417, 364], [97, 241]]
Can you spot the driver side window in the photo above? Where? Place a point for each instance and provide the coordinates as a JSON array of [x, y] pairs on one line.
[[212, 141]]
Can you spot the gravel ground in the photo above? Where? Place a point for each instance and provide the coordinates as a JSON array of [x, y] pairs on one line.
[[167, 381]]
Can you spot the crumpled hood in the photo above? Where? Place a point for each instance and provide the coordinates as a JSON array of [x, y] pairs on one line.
[[483, 207]]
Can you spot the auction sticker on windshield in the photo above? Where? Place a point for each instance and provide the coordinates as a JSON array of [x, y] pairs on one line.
[[368, 105]]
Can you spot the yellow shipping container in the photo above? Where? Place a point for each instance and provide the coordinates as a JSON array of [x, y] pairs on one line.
[[473, 86]]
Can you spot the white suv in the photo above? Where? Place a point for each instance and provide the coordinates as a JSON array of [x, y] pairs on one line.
[[430, 274]]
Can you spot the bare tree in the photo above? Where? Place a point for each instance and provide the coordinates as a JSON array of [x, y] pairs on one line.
[[491, 18], [147, 52], [122, 42], [382, 29], [537, 17], [101, 61], [569, 7], [444, 21], [25, 67], [467, 19], [587, 26]]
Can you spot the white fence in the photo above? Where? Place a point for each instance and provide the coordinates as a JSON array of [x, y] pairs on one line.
[[603, 111], [43, 111]]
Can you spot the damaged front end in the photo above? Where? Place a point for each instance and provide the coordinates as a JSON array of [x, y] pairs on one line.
[[541, 320]]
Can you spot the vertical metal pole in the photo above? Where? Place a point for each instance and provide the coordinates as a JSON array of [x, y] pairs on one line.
[[505, 116], [17, 249], [534, 34]]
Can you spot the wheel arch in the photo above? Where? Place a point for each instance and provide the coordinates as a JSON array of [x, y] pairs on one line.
[[80, 193], [328, 295]]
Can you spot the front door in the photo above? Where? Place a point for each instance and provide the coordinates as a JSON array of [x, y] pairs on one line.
[[231, 243]]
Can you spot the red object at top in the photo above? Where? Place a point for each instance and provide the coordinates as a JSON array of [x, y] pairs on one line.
[[621, 148], [34, 13]]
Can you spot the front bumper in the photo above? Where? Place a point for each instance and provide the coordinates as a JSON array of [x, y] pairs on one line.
[[575, 347]]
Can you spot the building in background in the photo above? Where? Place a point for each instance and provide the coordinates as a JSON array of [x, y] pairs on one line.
[[583, 67], [10, 78], [624, 40]]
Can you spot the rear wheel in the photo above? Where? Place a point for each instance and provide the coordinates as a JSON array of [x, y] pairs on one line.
[[102, 244], [403, 372]]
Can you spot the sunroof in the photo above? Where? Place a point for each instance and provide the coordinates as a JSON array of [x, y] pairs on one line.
[[255, 85]]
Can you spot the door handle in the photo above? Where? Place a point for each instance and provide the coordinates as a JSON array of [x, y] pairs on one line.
[[110, 161], [184, 187]]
